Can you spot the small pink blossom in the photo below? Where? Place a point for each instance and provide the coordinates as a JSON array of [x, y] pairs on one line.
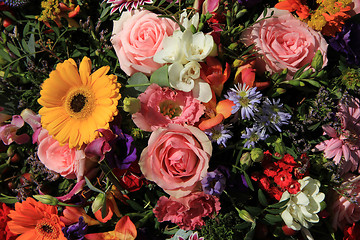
[[8, 131], [187, 212], [162, 106], [344, 145]]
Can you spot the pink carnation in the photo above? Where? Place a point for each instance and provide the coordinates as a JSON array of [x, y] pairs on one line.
[[187, 212], [344, 144], [161, 106], [345, 208]]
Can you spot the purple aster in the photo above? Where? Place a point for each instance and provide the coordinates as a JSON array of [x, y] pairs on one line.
[[127, 4], [214, 183], [76, 231], [347, 42], [253, 135], [245, 99], [122, 153], [219, 134], [272, 115]]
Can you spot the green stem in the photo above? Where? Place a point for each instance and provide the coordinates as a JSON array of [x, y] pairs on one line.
[[18, 59], [137, 85]]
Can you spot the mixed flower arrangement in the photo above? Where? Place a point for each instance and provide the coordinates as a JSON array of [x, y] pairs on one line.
[[164, 119]]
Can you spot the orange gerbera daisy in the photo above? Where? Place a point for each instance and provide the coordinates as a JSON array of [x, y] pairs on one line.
[[35, 220]]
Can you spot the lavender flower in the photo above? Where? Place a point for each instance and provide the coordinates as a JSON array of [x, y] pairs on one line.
[[214, 183], [219, 134], [76, 231], [245, 99], [122, 153], [253, 135], [15, 3]]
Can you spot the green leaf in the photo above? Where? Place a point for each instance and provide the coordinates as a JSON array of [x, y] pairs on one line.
[[161, 77], [14, 49], [262, 199], [92, 187], [254, 211], [279, 204], [275, 210], [272, 219], [300, 71], [25, 46], [8, 200], [105, 12], [31, 44], [295, 83], [248, 181], [314, 83], [5, 55], [135, 205], [306, 74], [251, 233], [242, 225], [138, 79]]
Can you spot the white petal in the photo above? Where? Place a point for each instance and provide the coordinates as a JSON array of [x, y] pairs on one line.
[[202, 91]]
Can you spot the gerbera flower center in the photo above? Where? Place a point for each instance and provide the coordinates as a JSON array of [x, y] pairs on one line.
[[79, 102], [47, 229]]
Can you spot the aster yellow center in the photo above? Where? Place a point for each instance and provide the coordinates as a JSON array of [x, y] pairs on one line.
[[47, 230], [80, 102]]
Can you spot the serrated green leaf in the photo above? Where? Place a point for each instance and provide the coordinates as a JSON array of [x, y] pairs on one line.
[[262, 199], [161, 77], [92, 187], [279, 204], [14, 49], [272, 219]]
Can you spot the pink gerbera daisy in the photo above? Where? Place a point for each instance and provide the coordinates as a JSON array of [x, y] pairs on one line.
[[344, 145], [128, 4]]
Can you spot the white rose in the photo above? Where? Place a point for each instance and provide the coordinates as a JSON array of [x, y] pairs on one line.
[[303, 207]]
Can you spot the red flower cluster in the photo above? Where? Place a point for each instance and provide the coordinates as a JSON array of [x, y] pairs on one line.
[[281, 175], [352, 232]]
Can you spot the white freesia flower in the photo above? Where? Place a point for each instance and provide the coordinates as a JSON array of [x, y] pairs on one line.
[[198, 46], [303, 207], [186, 22], [172, 50]]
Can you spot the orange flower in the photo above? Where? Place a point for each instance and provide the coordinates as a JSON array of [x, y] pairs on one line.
[[71, 215], [294, 6], [124, 230], [216, 113], [35, 220], [212, 73], [335, 21], [245, 74]]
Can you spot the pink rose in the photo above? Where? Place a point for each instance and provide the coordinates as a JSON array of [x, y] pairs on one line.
[[187, 212], [345, 211], [68, 162], [176, 158], [284, 41], [161, 106], [137, 36]]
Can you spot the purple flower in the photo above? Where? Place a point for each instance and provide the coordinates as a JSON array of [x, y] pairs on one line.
[[76, 231], [245, 99], [219, 134], [347, 42], [122, 153], [253, 135], [214, 183]]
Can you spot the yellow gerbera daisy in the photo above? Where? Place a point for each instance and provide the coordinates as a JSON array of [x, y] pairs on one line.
[[76, 103]]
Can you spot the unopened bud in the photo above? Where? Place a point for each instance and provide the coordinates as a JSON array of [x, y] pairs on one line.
[[245, 215], [257, 154], [98, 202], [131, 105], [46, 199], [245, 159], [317, 62]]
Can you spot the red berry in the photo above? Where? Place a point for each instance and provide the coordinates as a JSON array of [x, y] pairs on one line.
[[288, 231]]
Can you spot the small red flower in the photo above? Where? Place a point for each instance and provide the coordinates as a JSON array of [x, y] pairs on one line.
[[352, 232], [271, 170], [131, 179], [294, 187], [283, 179]]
